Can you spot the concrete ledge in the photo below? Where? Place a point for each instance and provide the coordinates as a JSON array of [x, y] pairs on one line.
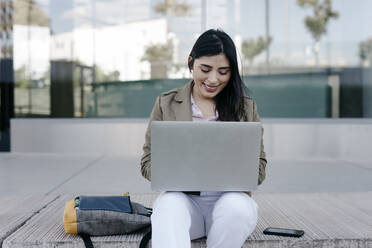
[[77, 136], [318, 138], [328, 219], [283, 138]]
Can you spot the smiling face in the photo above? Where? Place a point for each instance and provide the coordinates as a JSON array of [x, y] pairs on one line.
[[211, 74]]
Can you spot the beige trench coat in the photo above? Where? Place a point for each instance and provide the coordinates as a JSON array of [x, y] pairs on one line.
[[175, 105]]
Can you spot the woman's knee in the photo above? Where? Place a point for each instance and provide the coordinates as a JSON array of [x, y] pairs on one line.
[[237, 206], [171, 204]]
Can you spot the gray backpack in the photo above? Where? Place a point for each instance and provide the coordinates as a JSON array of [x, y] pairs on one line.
[[106, 215]]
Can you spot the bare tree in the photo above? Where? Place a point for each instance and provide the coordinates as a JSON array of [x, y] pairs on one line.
[[173, 7], [365, 51], [160, 57], [252, 48], [27, 12], [317, 24]]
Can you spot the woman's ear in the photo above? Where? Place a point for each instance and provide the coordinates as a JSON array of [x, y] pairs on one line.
[[189, 60]]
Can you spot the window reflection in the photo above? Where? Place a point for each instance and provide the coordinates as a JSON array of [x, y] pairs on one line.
[[6, 72], [95, 58], [31, 58]]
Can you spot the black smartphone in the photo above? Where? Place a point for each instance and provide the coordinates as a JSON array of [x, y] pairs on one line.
[[283, 232]]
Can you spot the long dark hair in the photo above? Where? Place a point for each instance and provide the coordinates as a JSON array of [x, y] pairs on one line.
[[230, 101]]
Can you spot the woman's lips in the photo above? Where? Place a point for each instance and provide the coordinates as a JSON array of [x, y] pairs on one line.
[[209, 88]]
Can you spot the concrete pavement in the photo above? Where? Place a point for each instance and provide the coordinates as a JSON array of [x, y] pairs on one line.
[[45, 174], [35, 186]]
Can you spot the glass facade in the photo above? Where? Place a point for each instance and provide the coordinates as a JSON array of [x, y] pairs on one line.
[[111, 58], [6, 72]]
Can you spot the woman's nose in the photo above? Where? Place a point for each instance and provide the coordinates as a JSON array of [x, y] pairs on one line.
[[212, 77]]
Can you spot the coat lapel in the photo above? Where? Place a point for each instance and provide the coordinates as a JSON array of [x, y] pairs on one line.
[[182, 107]]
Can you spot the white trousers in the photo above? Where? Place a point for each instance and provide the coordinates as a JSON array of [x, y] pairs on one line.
[[225, 218]]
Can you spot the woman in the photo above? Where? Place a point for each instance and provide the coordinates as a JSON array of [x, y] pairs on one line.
[[216, 93]]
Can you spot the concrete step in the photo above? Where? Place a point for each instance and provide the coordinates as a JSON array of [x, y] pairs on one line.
[[16, 211], [328, 219]]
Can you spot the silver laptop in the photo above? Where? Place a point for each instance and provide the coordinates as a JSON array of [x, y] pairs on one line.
[[204, 156]]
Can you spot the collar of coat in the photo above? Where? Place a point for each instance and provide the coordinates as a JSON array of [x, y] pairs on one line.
[[184, 93], [183, 108]]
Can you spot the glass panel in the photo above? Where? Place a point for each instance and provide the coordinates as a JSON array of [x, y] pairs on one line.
[[31, 58], [6, 72], [96, 58], [1, 116]]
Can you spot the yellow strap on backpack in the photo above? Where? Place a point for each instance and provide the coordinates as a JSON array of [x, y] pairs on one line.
[[69, 218]]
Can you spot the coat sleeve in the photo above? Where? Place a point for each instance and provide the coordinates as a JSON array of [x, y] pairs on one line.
[[156, 115], [263, 161]]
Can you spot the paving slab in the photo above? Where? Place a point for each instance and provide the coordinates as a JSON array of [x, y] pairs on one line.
[[317, 175], [110, 175], [15, 211], [328, 219], [33, 173], [362, 163]]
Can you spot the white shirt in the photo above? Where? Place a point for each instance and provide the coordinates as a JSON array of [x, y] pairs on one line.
[[197, 115]]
